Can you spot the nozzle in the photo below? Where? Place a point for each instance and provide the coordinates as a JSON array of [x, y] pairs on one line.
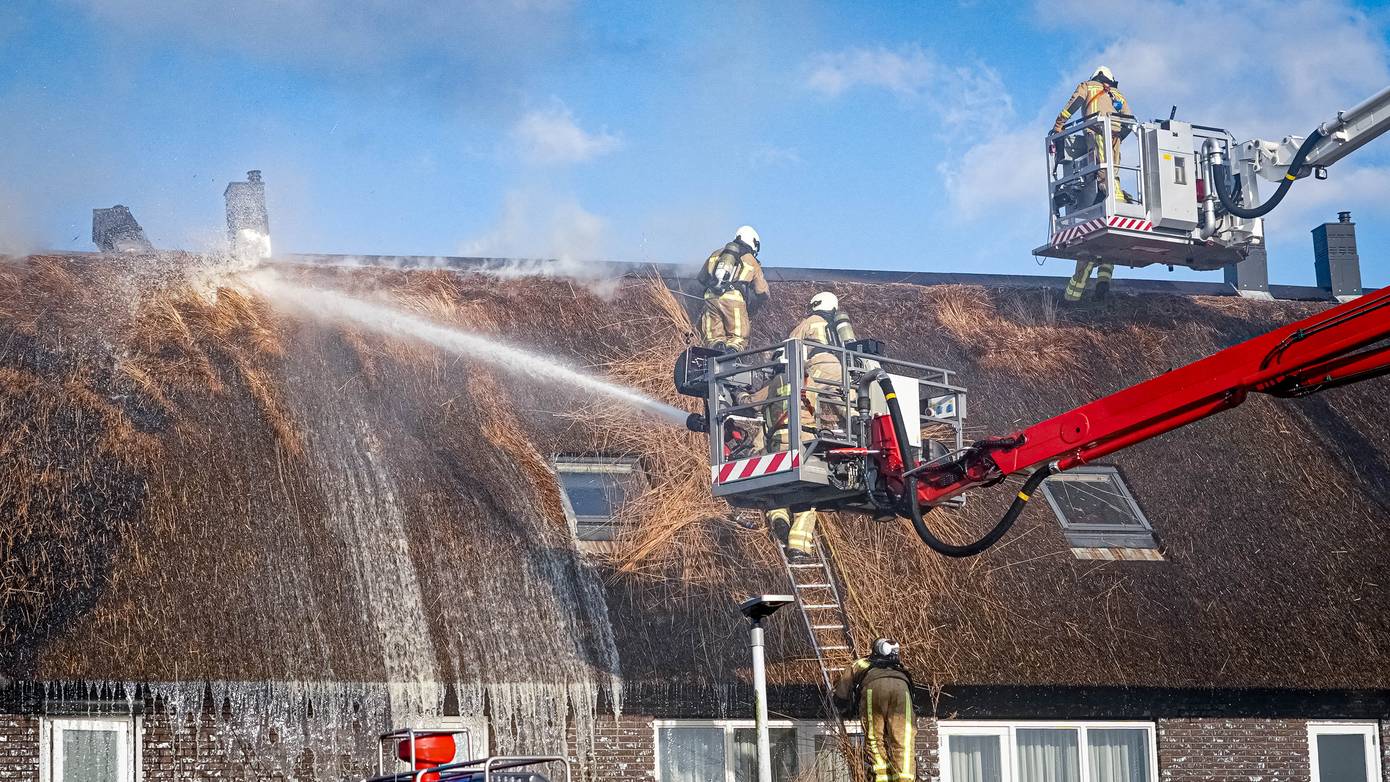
[[697, 423]]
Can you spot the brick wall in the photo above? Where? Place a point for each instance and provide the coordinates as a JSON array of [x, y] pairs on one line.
[[19, 748], [1258, 750], [624, 749]]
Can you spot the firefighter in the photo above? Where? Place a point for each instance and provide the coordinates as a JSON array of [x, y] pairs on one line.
[[821, 408], [734, 287], [881, 688], [1099, 96]]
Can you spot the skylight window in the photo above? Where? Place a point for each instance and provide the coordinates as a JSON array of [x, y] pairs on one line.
[[595, 491], [1097, 511]]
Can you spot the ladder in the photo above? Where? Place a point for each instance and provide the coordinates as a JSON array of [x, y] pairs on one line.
[[817, 594]]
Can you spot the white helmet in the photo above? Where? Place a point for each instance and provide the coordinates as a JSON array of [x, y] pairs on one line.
[[1103, 72], [748, 236], [824, 302], [886, 647]]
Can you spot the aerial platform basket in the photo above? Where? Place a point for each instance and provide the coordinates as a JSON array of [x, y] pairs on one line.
[[1157, 204], [790, 424]]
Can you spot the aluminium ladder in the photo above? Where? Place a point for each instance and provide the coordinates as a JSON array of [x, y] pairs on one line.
[[817, 592]]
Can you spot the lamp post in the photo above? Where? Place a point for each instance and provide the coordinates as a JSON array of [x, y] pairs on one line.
[[757, 609]]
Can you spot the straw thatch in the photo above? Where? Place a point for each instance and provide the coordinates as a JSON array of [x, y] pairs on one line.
[[181, 465]]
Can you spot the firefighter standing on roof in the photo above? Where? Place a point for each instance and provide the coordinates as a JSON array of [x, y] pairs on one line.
[[734, 286], [1097, 96], [882, 689], [822, 408]]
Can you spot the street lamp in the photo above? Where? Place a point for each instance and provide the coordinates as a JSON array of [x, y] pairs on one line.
[[757, 609]]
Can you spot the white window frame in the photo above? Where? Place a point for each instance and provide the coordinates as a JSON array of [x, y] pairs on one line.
[[1139, 536], [1007, 731], [563, 463], [812, 727], [1370, 737], [129, 729]]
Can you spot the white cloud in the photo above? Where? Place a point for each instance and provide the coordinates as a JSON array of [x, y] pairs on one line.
[[551, 136], [996, 176], [904, 72], [1254, 67], [955, 95], [536, 224]]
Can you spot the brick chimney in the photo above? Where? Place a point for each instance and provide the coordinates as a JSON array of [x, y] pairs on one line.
[[248, 223], [1334, 258], [115, 230]]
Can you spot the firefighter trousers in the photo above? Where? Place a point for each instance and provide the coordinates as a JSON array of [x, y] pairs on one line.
[[1077, 286], [801, 528], [889, 731], [725, 320]]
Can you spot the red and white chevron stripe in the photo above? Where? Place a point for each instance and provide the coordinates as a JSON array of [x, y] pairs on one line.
[[1068, 235], [754, 466], [1131, 223]]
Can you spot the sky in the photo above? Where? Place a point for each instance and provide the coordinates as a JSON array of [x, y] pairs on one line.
[[904, 136]]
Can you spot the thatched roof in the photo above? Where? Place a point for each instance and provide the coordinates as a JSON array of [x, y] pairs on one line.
[[200, 486]]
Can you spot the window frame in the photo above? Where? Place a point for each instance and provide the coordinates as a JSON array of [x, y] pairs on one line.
[[1369, 732], [1080, 535], [130, 727], [606, 465], [1007, 730], [811, 729]]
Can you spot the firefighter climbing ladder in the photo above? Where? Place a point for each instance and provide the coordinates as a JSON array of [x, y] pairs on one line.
[[818, 596]]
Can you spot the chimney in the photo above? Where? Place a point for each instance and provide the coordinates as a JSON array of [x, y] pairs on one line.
[[114, 230], [248, 224], [1334, 258]]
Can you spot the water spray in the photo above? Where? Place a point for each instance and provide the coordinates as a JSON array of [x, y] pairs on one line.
[[382, 318]]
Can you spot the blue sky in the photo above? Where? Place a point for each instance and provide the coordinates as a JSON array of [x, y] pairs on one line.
[[890, 135]]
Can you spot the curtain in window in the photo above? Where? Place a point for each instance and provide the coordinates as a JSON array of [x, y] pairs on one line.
[[782, 742], [1118, 755], [691, 754], [90, 756], [976, 759], [1048, 755]]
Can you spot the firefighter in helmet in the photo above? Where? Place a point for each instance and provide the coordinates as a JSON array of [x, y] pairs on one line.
[[879, 689], [734, 287], [823, 408], [1097, 96]]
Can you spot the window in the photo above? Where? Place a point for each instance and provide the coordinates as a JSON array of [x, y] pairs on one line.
[[1097, 511], [595, 490], [90, 750], [727, 751], [1048, 752], [1344, 752]]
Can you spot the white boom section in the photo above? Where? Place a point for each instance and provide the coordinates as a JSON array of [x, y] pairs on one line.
[[1352, 129]]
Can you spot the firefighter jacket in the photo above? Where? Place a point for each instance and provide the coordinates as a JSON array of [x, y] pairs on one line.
[[1092, 97], [817, 328], [734, 268], [863, 673]]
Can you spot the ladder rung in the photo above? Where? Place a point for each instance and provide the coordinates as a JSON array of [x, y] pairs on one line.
[[808, 564], [827, 627], [812, 586], [821, 606], [829, 648]]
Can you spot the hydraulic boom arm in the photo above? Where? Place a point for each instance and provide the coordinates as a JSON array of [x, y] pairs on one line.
[[1343, 345]]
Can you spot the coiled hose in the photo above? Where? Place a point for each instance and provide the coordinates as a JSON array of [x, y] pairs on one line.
[[915, 509], [1221, 173]]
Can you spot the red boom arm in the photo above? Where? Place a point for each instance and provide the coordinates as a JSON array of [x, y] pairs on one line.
[[1329, 349]]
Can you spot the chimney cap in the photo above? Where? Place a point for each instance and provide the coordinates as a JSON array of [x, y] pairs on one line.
[[1344, 217], [254, 175]]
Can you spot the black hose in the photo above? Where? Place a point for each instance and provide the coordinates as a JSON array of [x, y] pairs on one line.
[[915, 509], [1221, 172]]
